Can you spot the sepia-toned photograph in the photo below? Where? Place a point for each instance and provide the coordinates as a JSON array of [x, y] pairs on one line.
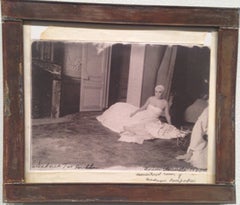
[[119, 106], [109, 103]]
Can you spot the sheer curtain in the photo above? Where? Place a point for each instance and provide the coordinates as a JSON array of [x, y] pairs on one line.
[[159, 64], [165, 71]]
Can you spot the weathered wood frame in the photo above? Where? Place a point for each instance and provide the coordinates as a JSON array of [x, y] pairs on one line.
[[16, 13]]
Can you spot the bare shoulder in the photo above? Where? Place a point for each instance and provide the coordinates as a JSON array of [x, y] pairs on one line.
[[150, 99]]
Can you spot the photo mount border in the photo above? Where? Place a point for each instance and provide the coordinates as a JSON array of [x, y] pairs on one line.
[[16, 13]]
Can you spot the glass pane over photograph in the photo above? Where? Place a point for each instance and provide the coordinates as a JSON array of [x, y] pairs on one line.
[[105, 100]]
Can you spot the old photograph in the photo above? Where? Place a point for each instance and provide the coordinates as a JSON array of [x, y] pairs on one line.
[[119, 106], [109, 103], [102, 109]]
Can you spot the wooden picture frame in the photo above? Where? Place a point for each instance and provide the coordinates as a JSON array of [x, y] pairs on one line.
[[16, 13]]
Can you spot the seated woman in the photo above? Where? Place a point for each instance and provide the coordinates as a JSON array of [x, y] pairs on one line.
[[197, 150], [139, 124]]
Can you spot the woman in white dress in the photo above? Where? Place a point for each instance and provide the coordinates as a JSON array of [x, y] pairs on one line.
[[139, 124], [197, 150]]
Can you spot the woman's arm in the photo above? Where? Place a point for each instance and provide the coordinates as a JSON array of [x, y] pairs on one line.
[[144, 107], [167, 115]]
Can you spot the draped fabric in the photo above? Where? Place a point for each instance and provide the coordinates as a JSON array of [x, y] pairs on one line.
[[198, 144], [152, 60], [165, 72], [142, 126], [159, 64]]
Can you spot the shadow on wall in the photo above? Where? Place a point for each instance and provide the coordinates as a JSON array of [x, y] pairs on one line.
[[190, 80]]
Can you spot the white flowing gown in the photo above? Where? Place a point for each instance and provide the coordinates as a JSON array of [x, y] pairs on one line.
[[144, 125], [198, 144]]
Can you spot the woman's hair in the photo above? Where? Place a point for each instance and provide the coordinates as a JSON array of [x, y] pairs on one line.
[[159, 87]]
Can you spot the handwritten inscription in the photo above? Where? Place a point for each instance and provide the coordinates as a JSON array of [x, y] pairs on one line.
[[167, 177], [40, 165], [148, 175]]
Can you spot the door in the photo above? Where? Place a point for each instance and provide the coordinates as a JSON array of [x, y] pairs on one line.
[[95, 77]]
